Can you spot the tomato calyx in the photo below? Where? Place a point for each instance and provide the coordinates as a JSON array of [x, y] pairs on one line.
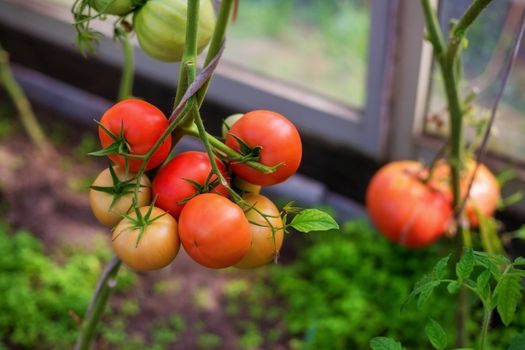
[[119, 188], [140, 222], [208, 186], [119, 146]]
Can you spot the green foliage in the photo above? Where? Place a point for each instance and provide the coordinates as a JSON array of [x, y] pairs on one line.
[[384, 343], [345, 288], [309, 220], [40, 298], [436, 334]]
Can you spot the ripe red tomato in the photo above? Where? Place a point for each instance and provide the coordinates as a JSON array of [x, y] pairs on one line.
[[403, 208], [157, 247], [141, 125], [214, 231], [484, 194], [280, 142], [171, 187], [265, 244]]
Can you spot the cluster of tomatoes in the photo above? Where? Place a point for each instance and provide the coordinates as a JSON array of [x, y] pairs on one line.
[[412, 205], [185, 202]]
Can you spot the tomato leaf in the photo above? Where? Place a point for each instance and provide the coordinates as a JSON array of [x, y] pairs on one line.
[[465, 265], [440, 269], [453, 287], [309, 220], [437, 336], [518, 342], [384, 343], [508, 293]]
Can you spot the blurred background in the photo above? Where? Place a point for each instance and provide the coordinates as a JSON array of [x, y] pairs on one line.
[[356, 78]]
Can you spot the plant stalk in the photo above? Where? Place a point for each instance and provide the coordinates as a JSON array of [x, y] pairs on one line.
[[485, 328], [126, 81], [105, 286], [27, 115]]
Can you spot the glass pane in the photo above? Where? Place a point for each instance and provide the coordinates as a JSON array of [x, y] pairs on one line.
[[489, 44], [318, 45]]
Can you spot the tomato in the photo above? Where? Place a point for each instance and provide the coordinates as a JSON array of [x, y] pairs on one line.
[[171, 185], [403, 208], [161, 27], [228, 122], [484, 194], [245, 186], [120, 195], [265, 244], [157, 247], [113, 7], [141, 125], [279, 141], [214, 231]]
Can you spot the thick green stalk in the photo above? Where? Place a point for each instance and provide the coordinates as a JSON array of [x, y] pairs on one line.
[[96, 307], [485, 328], [27, 116], [216, 41], [189, 56], [126, 81], [447, 58]]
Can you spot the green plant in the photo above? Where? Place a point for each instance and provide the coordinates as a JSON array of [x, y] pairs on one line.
[[41, 299]]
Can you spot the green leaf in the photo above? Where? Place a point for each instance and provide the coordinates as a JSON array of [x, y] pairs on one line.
[[384, 343], [440, 269], [310, 220], [465, 265], [425, 293], [437, 336], [489, 234], [518, 342], [508, 293]]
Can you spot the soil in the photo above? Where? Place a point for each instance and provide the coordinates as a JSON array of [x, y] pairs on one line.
[[48, 189]]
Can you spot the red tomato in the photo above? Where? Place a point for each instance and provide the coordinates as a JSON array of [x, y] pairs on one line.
[[214, 231], [484, 194], [141, 125], [171, 187], [403, 208], [280, 142]]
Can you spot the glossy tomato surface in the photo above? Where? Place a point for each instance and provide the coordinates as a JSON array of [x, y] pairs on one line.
[[109, 207], [157, 247], [266, 242], [403, 208], [171, 186], [141, 125], [279, 140], [214, 231], [484, 195]]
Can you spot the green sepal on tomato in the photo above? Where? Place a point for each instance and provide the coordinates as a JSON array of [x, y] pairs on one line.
[[272, 140], [132, 127], [183, 177], [161, 27], [147, 243], [111, 194], [214, 231]]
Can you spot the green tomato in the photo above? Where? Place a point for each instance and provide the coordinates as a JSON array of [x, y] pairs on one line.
[[161, 28], [114, 7], [228, 122]]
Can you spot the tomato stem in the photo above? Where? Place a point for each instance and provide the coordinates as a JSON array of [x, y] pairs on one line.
[[126, 81], [105, 286], [446, 55]]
